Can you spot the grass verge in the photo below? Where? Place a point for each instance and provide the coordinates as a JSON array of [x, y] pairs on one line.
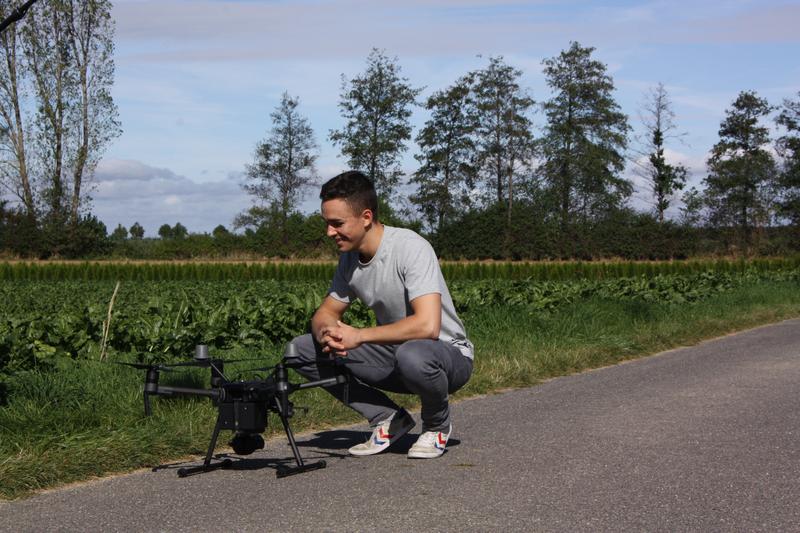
[[86, 420]]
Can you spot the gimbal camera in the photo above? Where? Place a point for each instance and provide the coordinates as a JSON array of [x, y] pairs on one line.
[[244, 405]]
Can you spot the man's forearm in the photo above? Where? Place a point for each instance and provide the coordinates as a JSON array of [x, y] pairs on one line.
[[321, 320], [406, 329]]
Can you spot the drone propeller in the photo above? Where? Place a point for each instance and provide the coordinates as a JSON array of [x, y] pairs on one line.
[[335, 361], [145, 366], [203, 363], [287, 363]]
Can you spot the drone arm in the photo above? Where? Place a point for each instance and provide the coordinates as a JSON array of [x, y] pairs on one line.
[[321, 383], [338, 379], [166, 390]]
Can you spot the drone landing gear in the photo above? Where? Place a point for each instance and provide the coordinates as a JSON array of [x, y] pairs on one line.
[[207, 466], [247, 444], [301, 467]]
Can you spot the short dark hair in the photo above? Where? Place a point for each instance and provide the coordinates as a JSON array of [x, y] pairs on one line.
[[353, 187]]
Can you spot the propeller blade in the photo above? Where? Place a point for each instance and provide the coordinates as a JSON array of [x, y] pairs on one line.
[[336, 361], [226, 361], [203, 363], [199, 364], [144, 366]]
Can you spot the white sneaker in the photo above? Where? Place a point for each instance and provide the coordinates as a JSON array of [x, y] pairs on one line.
[[385, 434], [430, 444]]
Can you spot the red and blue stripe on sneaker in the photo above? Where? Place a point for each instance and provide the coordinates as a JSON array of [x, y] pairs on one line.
[[381, 437]]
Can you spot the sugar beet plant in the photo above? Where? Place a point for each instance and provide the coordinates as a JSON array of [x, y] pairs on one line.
[[45, 324]]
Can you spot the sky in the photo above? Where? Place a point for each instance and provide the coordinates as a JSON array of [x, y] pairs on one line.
[[196, 80]]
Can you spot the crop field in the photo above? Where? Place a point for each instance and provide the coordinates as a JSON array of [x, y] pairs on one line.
[[67, 414], [322, 271], [47, 322]]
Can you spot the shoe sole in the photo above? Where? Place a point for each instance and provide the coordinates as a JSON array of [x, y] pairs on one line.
[[424, 456], [432, 454]]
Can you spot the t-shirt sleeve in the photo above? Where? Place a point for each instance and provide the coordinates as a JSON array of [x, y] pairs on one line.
[[340, 287], [421, 270]]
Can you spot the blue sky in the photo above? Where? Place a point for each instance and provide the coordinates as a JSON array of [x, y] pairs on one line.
[[196, 80]]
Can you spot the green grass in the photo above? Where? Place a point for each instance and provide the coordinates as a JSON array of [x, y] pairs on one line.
[[86, 419]]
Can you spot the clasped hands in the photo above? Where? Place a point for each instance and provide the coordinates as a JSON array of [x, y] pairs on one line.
[[338, 339]]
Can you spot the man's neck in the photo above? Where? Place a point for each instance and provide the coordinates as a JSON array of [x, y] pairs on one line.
[[371, 243]]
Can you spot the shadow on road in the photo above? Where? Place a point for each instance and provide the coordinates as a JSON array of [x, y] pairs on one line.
[[342, 439]]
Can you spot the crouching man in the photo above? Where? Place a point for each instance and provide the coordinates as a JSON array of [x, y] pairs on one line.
[[419, 345]]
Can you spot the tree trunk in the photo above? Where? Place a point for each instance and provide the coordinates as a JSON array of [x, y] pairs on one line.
[[17, 134], [80, 46]]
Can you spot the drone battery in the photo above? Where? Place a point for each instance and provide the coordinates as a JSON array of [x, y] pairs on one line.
[[243, 416]]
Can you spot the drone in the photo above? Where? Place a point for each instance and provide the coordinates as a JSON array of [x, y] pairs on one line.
[[243, 406]]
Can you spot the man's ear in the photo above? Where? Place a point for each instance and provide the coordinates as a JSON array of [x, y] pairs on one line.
[[368, 217]]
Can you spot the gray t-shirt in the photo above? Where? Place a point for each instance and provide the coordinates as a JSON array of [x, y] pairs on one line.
[[404, 267]]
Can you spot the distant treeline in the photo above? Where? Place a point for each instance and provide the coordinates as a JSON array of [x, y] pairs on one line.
[[478, 234]]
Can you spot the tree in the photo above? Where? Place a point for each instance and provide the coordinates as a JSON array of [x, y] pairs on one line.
[[663, 179], [179, 231], [220, 232], [14, 173], [284, 164], [788, 147], [165, 231], [504, 139], [445, 176], [376, 106], [692, 210], [56, 107], [137, 231], [584, 139], [119, 234], [93, 115], [741, 170]]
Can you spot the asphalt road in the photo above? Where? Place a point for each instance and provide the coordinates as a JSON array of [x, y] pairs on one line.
[[705, 438]]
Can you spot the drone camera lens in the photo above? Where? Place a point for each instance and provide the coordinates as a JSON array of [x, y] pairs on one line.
[[246, 443]]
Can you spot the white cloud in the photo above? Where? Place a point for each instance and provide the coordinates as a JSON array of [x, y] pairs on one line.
[[132, 191]]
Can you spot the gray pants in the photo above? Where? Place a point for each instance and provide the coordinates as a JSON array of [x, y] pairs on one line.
[[429, 368]]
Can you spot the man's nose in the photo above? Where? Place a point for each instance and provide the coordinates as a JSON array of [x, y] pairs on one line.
[[331, 232]]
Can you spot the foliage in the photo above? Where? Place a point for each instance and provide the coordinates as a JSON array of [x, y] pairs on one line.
[[165, 231], [137, 231], [445, 177], [503, 129], [45, 324], [283, 167], [619, 233], [664, 179], [178, 232], [56, 104], [741, 170], [159, 320], [788, 147], [584, 139], [119, 234], [376, 106], [322, 271]]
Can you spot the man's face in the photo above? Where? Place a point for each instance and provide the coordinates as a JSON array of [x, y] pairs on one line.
[[344, 226]]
